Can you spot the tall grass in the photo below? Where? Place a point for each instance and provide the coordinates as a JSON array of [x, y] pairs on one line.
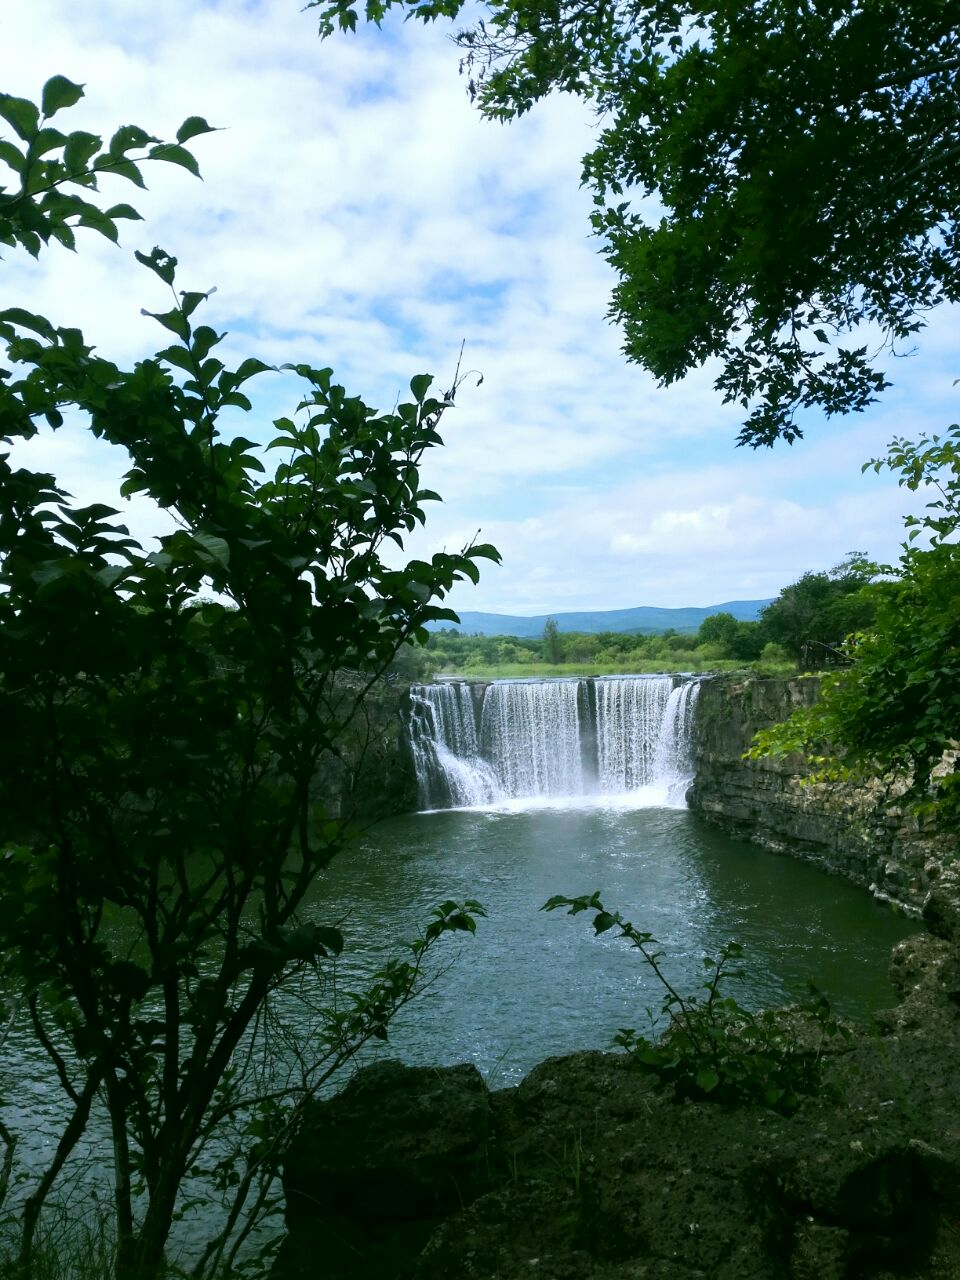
[[67, 1247]]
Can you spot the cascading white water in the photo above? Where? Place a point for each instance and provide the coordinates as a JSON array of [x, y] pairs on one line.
[[531, 734], [629, 719], [673, 758], [625, 736], [443, 738]]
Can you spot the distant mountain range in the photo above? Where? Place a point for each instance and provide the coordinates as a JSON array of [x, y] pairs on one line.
[[644, 620]]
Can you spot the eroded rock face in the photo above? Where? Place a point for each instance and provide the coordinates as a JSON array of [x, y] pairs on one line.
[[584, 1172], [420, 1156], [859, 832]]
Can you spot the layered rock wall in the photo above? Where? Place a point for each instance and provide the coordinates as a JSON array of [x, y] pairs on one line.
[[861, 832]]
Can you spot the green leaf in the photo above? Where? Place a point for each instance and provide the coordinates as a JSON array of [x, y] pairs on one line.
[[21, 114], [189, 301], [97, 220], [192, 127], [419, 386], [217, 548], [120, 168], [124, 211], [160, 262], [27, 320], [134, 482], [250, 368], [59, 92], [486, 551], [173, 320], [126, 138], [331, 939], [47, 140], [178, 356], [11, 156], [79, 149], [175, 155]]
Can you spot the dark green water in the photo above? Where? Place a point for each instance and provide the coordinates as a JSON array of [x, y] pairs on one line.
[[531, 984]]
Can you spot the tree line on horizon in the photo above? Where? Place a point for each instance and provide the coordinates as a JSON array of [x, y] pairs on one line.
[[805, 626]]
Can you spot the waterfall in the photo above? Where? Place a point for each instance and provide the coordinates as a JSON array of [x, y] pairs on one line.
[[446, 749], [531, 734], [629, 720], [626, 737], [673, 759]]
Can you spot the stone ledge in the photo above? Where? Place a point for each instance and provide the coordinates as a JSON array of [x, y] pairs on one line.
[[586, 1173]]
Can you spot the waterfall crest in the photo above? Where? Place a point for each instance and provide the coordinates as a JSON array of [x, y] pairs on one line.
[[628, 737]]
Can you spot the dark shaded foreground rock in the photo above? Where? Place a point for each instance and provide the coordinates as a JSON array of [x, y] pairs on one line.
[[584, 1172], [376, 1168]]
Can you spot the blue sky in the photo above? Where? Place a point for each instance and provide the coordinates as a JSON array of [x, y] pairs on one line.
[[356, 212]]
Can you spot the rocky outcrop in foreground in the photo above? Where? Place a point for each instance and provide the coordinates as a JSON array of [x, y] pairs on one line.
[[585, 1172]]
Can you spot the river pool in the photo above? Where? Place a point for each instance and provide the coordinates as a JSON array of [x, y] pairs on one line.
[[530, 983]]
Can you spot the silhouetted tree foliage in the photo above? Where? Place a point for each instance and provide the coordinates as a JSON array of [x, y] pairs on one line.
[[165, 713], [803, 159]]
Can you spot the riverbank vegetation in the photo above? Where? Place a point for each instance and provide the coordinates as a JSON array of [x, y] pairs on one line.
[[894, 711], [607, 653]]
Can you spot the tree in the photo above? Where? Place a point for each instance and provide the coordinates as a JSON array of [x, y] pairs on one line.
[[814, 615], [895, 711], [748, 641], [552, 644], [159, 827], [803, 156], [719, 628], [741, 640]]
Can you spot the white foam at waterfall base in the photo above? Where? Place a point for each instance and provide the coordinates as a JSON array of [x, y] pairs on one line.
[[473, 783], [525, 746], [649, 797]]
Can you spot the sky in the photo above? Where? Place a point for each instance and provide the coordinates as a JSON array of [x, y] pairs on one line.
[[356, 212]]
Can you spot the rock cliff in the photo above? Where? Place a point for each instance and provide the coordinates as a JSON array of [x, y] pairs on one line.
[[371, 773], [586, 1172], [860, 832]]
